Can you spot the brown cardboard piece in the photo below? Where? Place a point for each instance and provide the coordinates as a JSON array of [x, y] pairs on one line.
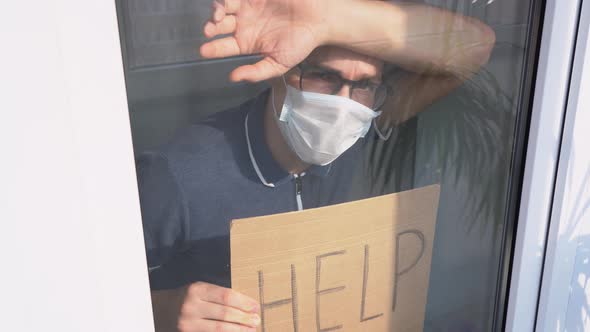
[[359, 266]]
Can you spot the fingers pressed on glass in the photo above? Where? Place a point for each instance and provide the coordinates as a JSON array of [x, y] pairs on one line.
[[227, 25], [229, 314], [231, 6], [220, 48], [219, 11]]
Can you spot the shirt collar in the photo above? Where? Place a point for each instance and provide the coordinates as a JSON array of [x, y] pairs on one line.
[[270, 173]]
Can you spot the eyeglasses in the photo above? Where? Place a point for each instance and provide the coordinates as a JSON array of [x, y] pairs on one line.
[[321, 80]]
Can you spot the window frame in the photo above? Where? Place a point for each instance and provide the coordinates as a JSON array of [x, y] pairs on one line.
[[560, 21], [570, 218]]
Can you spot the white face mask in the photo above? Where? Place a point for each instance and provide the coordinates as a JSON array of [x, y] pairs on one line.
[[320, 127]]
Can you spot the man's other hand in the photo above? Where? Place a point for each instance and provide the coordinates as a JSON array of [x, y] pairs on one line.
[[284, 32], [209, 307]]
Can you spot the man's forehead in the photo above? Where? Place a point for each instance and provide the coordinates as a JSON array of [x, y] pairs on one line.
[[346, 62]]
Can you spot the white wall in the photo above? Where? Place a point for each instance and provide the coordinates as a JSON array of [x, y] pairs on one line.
[[71, 244]]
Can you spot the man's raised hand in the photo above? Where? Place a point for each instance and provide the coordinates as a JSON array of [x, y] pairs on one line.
[[283, 32]]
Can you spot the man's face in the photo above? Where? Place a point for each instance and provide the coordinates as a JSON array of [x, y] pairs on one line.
[[323, 67], [338, 62]]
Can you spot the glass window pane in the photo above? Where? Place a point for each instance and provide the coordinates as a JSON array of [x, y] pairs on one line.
[[258, 108]]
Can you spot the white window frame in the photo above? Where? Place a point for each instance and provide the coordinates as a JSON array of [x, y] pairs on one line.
[[558, 43], [562, 293]]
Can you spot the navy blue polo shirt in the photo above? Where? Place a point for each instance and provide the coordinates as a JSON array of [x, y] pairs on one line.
[[218, 170]]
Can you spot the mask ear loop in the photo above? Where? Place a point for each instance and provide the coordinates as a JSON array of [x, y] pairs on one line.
[[277, 116]]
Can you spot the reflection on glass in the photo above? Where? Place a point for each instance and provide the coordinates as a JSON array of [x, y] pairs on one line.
[[353, 100]]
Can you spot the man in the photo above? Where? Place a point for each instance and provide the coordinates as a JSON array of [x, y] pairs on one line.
[[294, 147]]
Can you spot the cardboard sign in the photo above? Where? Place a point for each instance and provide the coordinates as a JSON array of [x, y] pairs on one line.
[[359, 266]]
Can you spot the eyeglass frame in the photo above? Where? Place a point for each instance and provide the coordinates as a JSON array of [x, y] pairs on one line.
[[343, 81]]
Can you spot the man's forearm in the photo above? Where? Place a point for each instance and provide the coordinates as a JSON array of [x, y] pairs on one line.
[[418, 38]]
